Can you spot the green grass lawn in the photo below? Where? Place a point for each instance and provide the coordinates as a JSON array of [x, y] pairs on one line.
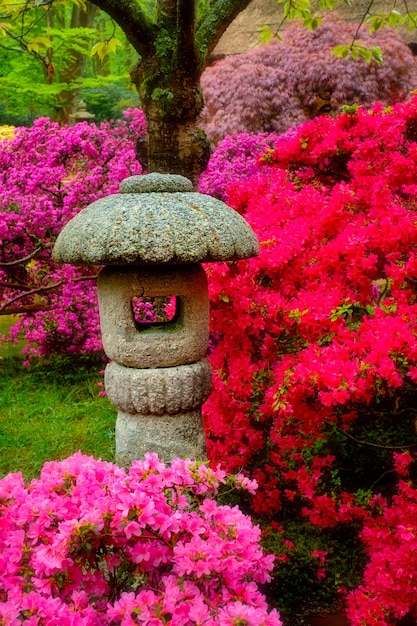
[[9, 349], [50, 410]]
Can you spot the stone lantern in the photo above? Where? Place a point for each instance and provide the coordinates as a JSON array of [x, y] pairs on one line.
[[80, 115], [151, 239]]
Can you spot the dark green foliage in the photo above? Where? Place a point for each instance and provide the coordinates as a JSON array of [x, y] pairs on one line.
[[108, 102], [298, 589], [37, 81]]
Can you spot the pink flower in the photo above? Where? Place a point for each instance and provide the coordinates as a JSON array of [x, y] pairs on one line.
[[238, 613], [88, 543]]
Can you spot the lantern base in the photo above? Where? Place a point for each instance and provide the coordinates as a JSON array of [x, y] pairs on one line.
[[169, 436]]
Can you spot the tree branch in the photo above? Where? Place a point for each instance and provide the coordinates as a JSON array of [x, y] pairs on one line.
[[26, 258], [20, 50], [214, 23], [186, 49], [364, 16], [408, 12], [138, 28], [361, 442], [4, 309], [16, 286], [28, 308], [24, 47]]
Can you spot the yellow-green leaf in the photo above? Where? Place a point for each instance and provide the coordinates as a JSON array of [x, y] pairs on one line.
[[265, 34], [376, 22], [39, 42], [365, 53], [327, 4], [113, 44], [410, 20], [312, 23], [377, 54], [354, 53], [394, 18], [341, 51], [81, 4], [104, 48], [4, 27], [11, 9], [99, 49]]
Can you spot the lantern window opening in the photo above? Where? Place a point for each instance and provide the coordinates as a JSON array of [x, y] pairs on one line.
[[151, 313]]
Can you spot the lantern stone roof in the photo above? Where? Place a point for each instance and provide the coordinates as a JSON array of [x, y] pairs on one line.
[[155, 219]]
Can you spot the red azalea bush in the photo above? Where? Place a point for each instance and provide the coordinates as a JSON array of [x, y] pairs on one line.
[[89, 544], [277, 85], [47, 175], [315, 366]]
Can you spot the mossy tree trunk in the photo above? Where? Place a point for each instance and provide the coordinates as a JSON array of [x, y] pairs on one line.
[[173, 47]]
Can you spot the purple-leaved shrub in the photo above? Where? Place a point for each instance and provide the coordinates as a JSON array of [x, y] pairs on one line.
[[280, 84]]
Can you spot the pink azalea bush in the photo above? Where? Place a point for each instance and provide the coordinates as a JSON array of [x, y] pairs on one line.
[[278, 85], [89, 543], [315, 353], [48, 174]]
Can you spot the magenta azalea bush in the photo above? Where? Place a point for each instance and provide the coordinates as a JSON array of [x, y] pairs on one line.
[[236, 158], [48, 174], [90, 544]]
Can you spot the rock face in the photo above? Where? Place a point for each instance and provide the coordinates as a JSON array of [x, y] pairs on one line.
[[152, 238]]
